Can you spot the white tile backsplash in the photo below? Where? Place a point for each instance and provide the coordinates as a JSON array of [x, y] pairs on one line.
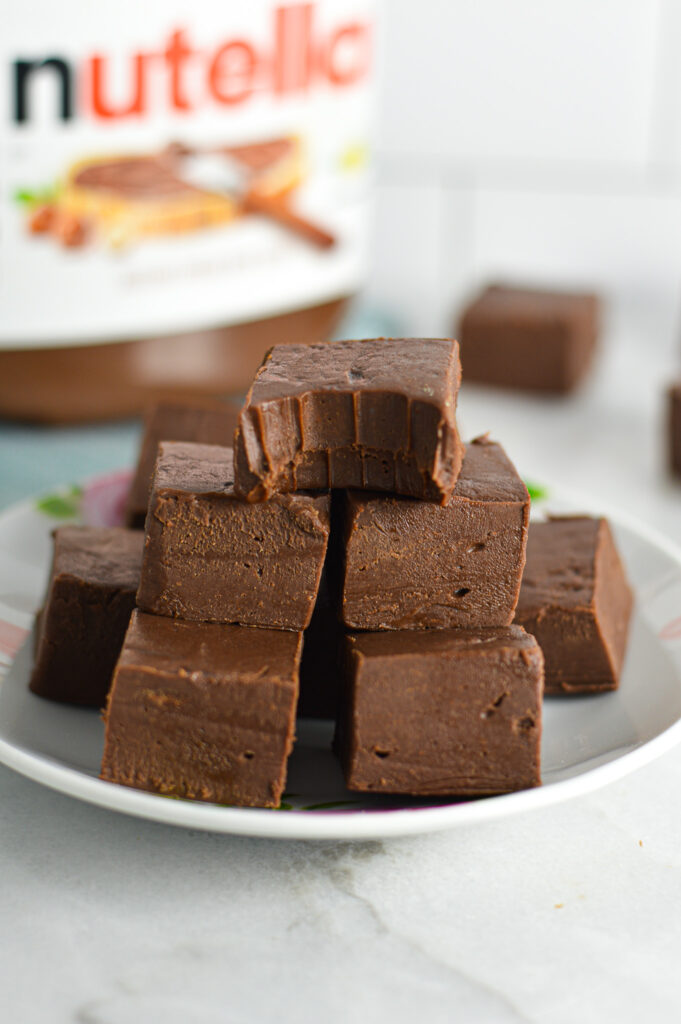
[[532, 140], [626, 242], [407, 255], [665, 132], [520, 79]]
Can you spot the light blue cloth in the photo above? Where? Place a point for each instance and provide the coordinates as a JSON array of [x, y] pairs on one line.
[[36, 459]]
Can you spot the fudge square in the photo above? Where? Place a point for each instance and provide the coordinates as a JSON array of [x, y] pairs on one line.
[[442, 712], [90, 597], [207, 421], [674, 427], [576, 600], [204, 710], [211, 557], [414, 565], [376, 414], [529, 339]]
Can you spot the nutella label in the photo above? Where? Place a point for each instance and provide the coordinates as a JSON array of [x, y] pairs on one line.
[[165, 170]]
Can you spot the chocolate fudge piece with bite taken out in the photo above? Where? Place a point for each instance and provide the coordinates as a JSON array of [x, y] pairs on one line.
[[376, 414]]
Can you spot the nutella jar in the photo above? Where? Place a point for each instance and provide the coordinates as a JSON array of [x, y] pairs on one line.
[[180, 188]]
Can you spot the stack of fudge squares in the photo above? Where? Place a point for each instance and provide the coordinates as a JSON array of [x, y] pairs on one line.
[[347, 558]]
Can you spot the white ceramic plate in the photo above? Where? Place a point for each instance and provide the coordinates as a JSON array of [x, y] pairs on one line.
[[587, 741]]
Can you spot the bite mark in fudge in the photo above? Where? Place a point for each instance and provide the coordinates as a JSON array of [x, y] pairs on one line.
[[210, 556], [205, 421], [529, 339], [376, 414], [442, 712], [90, 597], [575, 599], [414, 565], [203, 711]]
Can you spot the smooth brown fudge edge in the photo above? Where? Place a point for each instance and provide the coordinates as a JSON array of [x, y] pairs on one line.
[[674, 429], [206, 421], [580, 604], [529, 339], [90, 597], [210, 556], [405, 564], [203, 711], [441, 713]]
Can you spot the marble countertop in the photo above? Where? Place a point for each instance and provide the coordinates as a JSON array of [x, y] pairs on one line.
[[563, 914]]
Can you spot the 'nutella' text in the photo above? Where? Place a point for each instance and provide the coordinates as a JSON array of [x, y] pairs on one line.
[[297, 56]]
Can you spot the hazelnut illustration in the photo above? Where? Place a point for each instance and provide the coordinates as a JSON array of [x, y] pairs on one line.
[[42, 218], [70, 230]]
